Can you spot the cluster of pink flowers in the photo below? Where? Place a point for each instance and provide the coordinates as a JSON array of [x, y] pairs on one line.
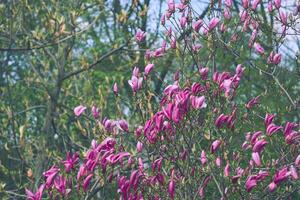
[[191, 136]]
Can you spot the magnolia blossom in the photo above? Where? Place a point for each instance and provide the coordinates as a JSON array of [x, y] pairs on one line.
[[79, 110], [213, 23], [259, 49], [140, 35], [148, 68], [35, 196]]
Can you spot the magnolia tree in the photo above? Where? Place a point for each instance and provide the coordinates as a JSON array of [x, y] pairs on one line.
[[201, 141]]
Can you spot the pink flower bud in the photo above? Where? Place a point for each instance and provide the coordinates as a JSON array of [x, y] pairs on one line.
[[255, 4], [297, 161], [228, 3], [183, 22], [227, 170], [256, 159], [139, 147], [197, 25], [215, 145], [79, 110], [218, 161], [171, 188], [270, 6], [213, 23], [245, 3], [272, 187], [171, 6], [203, 157], [259, 48], [283, 17], [277, 3], [115, 89], [148, 68], [277, 58], [95, 112]]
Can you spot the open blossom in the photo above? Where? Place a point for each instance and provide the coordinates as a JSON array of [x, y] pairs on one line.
[[79, 110], [198, 102], [50, 175], [71, 161], [135, 83], [140, 35], [35, 196]]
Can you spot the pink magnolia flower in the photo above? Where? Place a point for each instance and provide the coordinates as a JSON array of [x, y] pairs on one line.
[[197, 25], [35, 196], [183, 22], [135, 83], [228, 3], [79, 110], [293, 172], [203, 157], [269, 119], [227, 170], [95, 112], [171, 6], [253, 102], [259, 48], [245, 3], [213, 23], [227, 14], [221, 120], [218, 161], [171, 188], [277, 3], [256, 158], [255, 4], [215, 145], [297, 161], [283, 17], [203, 72], [70, 162], [139, 147], [123, 125], [270, 6], [148, 68], [251, 182], [277, 58], [272, 186], [259, 145], [50, 175], [86, 182], [272, 128], [115, 89], [60, 183], [198, 102], [140, 35], [281, 175]]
